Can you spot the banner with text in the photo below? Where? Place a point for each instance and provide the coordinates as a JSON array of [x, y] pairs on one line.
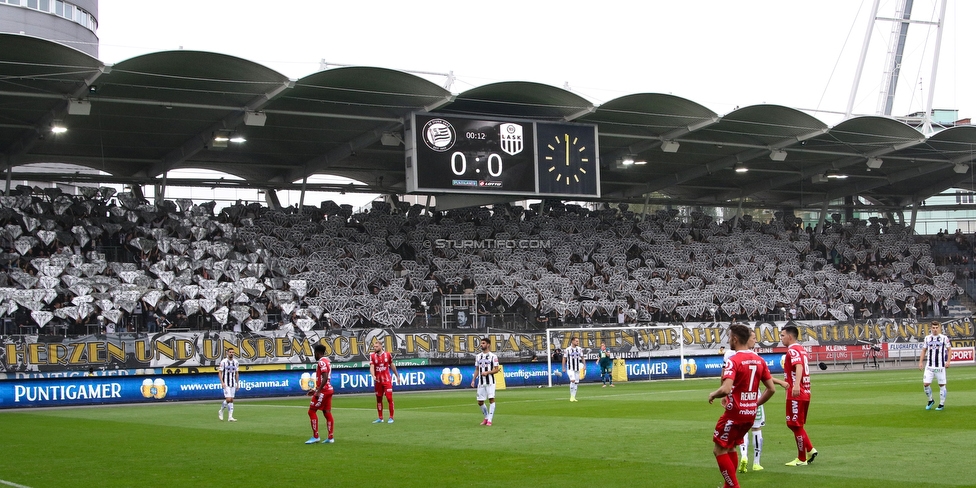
[[184, 352]]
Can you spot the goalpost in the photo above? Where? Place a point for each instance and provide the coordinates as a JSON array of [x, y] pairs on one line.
[[675, 332]]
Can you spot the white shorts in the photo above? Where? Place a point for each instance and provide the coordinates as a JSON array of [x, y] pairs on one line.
[[486, 392], [230, 391], [760, 418], [573, 375], [937, 373]]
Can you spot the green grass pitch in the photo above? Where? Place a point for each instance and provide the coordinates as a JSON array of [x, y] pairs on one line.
[[870, 427]]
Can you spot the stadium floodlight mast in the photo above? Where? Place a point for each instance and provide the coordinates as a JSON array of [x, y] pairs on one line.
[[678, 329]]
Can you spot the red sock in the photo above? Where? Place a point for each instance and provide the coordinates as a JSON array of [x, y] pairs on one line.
[[379, 406], [726, 466], [328, 422], [389, 399], [801, 442], [314, 419], [735, 457], [807, 445]]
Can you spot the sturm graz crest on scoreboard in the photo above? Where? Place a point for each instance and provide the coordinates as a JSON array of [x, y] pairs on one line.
[[439, 135], [510, 138]]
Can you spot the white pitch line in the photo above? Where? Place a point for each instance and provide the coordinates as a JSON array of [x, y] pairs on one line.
[[539, 400], [255, 405], [11, 483], [452, 405]]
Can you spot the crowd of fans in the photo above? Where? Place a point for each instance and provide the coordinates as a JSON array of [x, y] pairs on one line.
[[103, 261]]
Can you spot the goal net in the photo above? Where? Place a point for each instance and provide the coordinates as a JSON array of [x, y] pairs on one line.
[[634, 344]]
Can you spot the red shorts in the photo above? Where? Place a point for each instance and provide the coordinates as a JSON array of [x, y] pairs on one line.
[[383, 386], [322, 401], [729, 433], [796, 412]]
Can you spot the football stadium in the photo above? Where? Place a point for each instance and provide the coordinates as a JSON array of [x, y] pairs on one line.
[[617, 275]]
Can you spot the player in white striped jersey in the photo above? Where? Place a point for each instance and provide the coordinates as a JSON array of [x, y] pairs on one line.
[[228, 372], [934, 359], [573, 363], [485, 367]]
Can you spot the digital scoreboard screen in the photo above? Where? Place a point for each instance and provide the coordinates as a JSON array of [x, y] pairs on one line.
[[472, 154], [454, 154]]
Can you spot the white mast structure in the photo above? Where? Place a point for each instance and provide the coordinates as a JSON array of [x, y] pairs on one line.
[[901, 21]]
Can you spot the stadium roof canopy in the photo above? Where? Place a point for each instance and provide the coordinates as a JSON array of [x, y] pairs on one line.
[[140, 118]]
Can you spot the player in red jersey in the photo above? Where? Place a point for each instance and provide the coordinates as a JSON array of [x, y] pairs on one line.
[[741, 376], [380, 365], [321, 395], [797, 385]]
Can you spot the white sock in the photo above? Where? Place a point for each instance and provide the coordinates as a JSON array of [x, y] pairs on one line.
[[230, 409], [928, 392], [744, 449], [942, 394], [484, 410], [224, 406], [757, 442], [572, 389], [491, 411]]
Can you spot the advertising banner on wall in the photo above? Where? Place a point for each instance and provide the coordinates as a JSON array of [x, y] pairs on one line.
[[963, 355], [184, 352], [97, 390]]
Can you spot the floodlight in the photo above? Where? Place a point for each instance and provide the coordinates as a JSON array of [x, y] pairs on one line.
[[219, 141]]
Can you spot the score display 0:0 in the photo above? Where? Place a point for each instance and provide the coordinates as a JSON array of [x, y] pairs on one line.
[[458, 156]]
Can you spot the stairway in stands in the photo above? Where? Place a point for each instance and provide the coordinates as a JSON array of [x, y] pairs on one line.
[[962, 306]]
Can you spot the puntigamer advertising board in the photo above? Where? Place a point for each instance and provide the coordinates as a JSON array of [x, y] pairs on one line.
[[94, 390]]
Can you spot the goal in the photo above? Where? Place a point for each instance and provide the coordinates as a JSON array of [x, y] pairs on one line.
[[642, 342]]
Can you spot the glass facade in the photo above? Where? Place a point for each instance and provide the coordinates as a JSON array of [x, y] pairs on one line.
[[963, 218]]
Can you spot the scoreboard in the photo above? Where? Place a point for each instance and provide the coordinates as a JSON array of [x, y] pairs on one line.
[[488, 155]]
